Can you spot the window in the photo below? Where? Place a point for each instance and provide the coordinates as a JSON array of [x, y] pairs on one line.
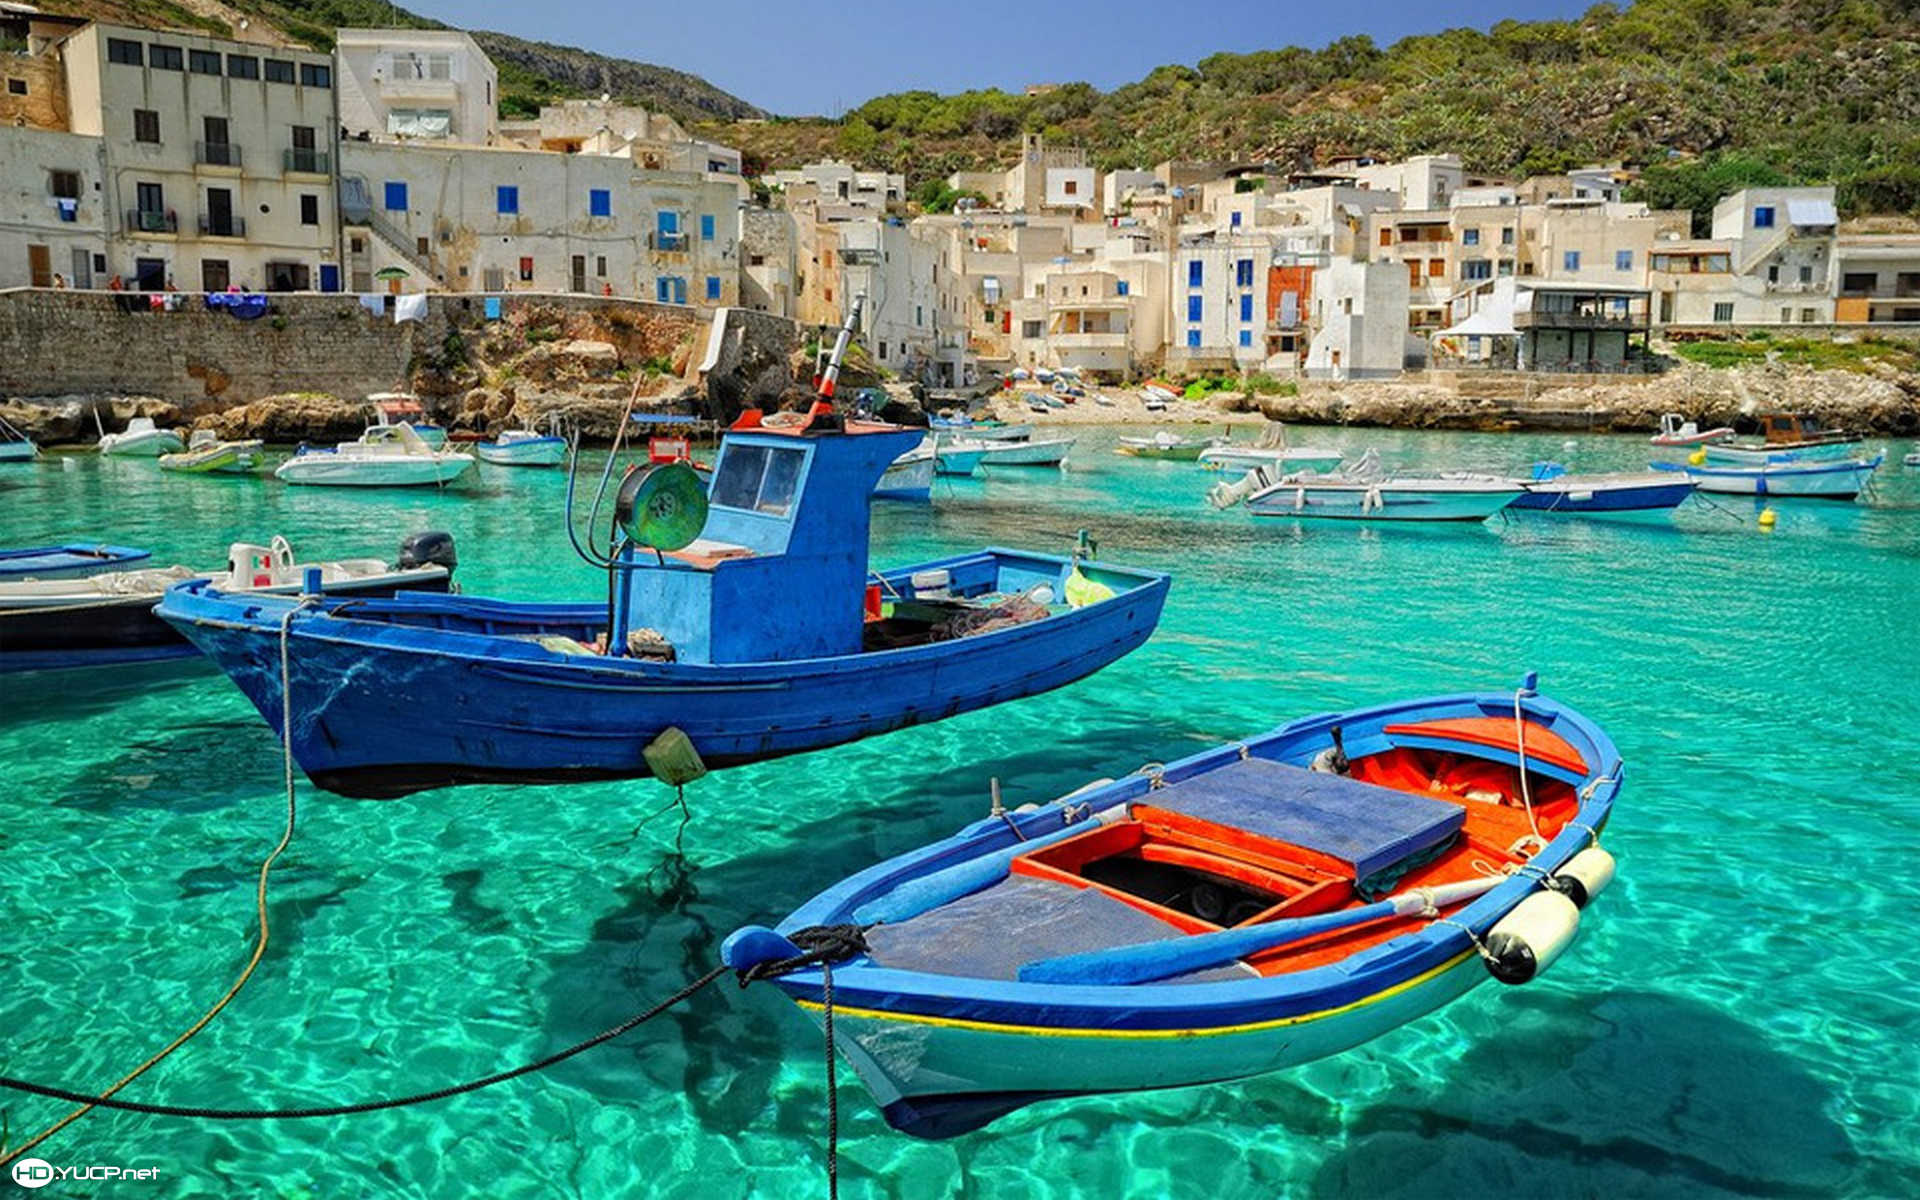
[[215, 274], [243, 66], [1623, 260], [1120, 287], [1570, 260], [1506, 235], [1246, 306], [1246, 337], [1243, 273], [1723, 313], [396, 197], [1773, 273], [16, 87], [667, 234], [309, 209], [1193, 308], [1476, 268], [600, 265], [64, 184], [1235, 221], [883, 351], [279, 70], [317, 75], [146, 125], [713, 287], [1786, 314], [758, 478], [599, 202], [1386, 237], [165, 58], [1030, 329], [203, 62], [1073, 187], [526, 270], [1436, 267], [1195, 273], [1807, 316], [1806, 274], [422, 247], [120, 50], [506, 200], [706, 227], [1470, 237], [1193, 339], [1763, 217]]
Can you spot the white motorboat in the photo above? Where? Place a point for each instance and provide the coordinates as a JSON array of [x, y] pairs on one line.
[[1167, 446], [1045, 452], [1272, 452], [957, 456], [141, 439], [1676, 430], [206, 454], [385, 456], [1823, 479], [16, 446], [403, 408], [910, 477], [1366, 492], [523, 448]]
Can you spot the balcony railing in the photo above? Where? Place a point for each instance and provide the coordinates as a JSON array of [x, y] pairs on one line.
[[140, 220], [233, 227], [216, 154], [1899, 291], [306, 159], [1537, 319], [668, 242]]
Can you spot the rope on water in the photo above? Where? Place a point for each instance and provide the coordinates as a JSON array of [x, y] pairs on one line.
[[102, 1100]]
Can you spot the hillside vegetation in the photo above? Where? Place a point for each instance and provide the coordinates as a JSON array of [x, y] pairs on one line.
[[1800, 89]]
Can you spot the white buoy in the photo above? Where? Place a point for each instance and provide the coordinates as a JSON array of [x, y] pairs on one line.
[[1527, 940], [1584, 876]]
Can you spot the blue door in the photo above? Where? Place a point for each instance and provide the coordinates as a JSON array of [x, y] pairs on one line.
[[329, 277]]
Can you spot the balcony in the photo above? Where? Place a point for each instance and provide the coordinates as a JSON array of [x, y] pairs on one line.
[[306, 161], [216, 154], [140, 220], [1898, 291], [1581, 319], [223, 227], [1087, 341]]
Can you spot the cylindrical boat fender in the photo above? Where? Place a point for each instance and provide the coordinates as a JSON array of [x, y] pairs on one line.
[[1527, 940], [1583, 876]]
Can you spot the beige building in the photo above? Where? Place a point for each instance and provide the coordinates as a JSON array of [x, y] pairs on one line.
[[655, 141], [433, 85]]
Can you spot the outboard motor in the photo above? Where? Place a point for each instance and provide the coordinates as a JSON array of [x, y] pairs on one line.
[[429, 547]]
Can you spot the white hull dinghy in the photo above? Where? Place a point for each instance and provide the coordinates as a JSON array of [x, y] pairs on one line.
[[141, 439], [1367, 493]]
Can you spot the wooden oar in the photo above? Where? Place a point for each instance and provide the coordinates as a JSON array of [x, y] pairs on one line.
[[930, 891], [1147, 961]]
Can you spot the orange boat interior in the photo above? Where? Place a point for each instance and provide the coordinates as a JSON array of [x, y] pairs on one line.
[[1200, 876]]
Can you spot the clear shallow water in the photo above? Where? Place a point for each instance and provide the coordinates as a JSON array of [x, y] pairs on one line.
[[1741, 1015]]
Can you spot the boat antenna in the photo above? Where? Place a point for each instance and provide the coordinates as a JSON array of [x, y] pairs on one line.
[[831, 376]]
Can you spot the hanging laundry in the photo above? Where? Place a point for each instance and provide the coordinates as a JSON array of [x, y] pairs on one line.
[[375, 303], [492, 306], [69, 209], [246, 306], [157, 301], [410, 307]]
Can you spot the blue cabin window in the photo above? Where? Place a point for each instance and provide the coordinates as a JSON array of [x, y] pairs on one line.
[[758, 478], [1763, 217], [713, 287], [1195, 273], [1246, 307], [396, 196], [1571, 260], [1623, 260], [706, 227], [1120, 287], [1243, 273], [1193, 338], [1193, 307], [506, 200], [599, 202]]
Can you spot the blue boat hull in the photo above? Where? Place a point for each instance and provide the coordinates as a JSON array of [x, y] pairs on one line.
[[408, 694], [1645, 498]]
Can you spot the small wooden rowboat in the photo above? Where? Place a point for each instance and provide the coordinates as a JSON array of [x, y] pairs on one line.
[[1244, 910]]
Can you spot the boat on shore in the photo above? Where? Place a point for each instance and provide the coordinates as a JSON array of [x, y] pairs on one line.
[[523, 448], [16, 446], [108, 619], [206, 454], [1367, 493], [1820, 479], [385, 456], [1551, 489], [141, 439], [73, 560], [1166, 446], [1677, 430], [1272, 452], [1246, 909]]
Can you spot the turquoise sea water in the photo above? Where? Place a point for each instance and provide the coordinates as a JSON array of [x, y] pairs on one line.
[[1740, 1017]]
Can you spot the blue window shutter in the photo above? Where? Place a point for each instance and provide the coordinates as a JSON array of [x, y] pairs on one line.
[[1120, 287], [1194, 273], [713, 287], [1763, 218], [1193, 306], [706, 227], [1246, 337], [396, 196], [1235, 223], [1571, 260], [679, 290], [599, 202], [668, 222], [1246, 306], [1193, 338], [663, 290], [506, 199], [1243, 272]]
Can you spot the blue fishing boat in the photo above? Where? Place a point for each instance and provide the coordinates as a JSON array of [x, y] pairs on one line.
[[766, 634], [1551, 489], [73, 560], [1243, 910]]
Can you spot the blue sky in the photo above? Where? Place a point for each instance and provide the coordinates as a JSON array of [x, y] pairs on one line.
[[813, 57]]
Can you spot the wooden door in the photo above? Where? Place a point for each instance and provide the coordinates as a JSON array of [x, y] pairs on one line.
[[40, 266]]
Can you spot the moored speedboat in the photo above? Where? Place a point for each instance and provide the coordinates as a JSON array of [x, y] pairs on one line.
[[1035, 452], [1551, 489], [141, 439], [1368, 493], [1813, 479], [1243, 910], [108, 619], [957, 455], [385, 456], [74, 560], [1167, 446], [1676, 430], [909, 477], [16, 446], [206, 454], [1272, 452], [403, 408], [523, 448]]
